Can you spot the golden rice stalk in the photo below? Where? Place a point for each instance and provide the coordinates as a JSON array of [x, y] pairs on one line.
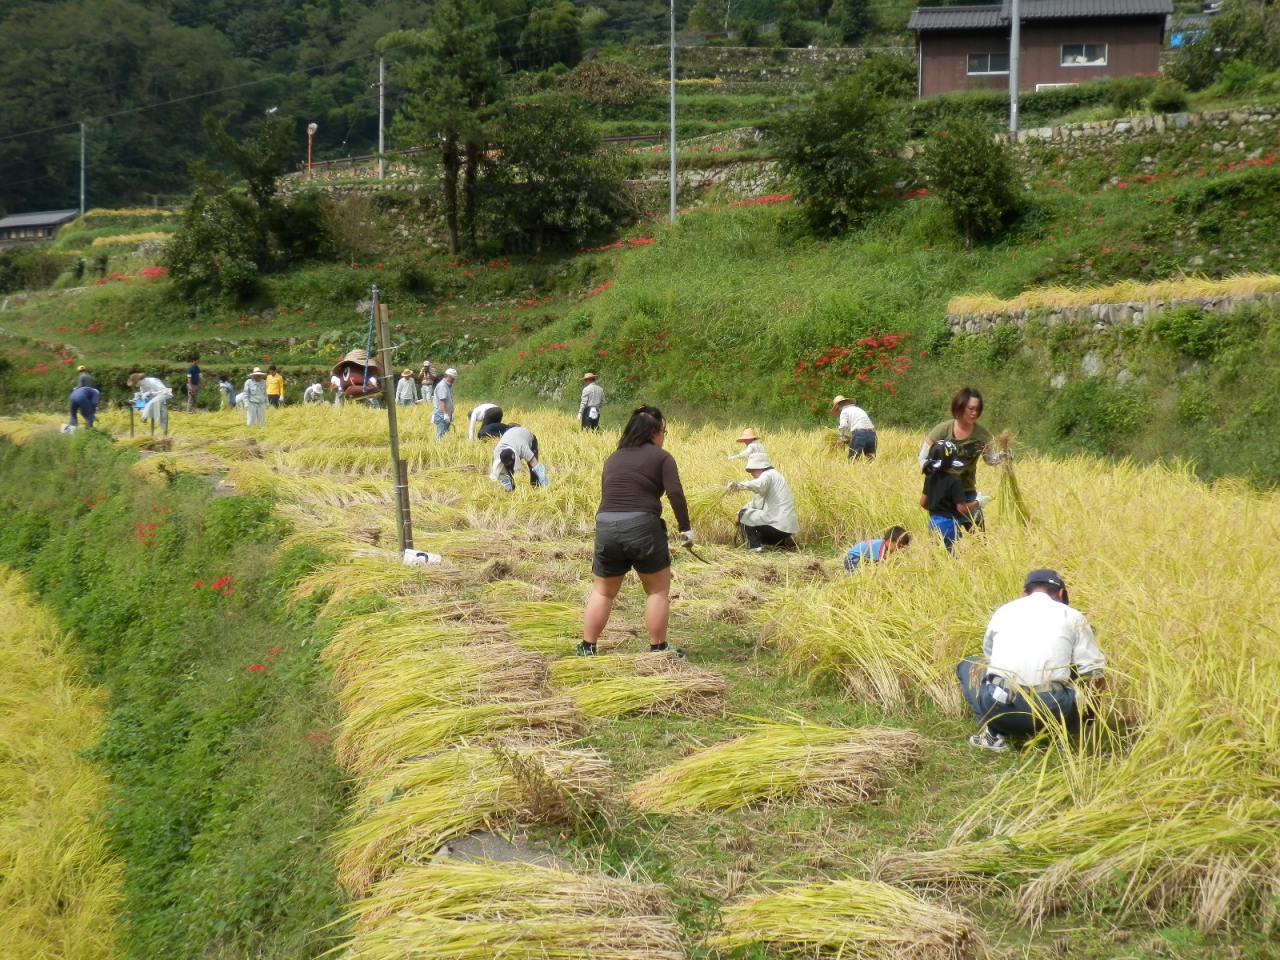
[[1010, 490], [60, 883], [695, 694], [1126, 291], [515, 911], [368, 639], [543, 626], [413, 733], [374, 573], [779, 762], [121, 239], [21, 429], [165, 467], [145, 441], [849, 919], [415, 808]]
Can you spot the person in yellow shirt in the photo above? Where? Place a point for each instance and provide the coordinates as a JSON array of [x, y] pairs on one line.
[[275, 386]]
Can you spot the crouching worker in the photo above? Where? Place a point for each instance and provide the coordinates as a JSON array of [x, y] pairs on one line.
[[517, 444], [1033, 648], [867, 552], [769, 519], [84, 401]]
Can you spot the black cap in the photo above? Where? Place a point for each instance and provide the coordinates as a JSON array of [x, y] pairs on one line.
[[1047, 577]]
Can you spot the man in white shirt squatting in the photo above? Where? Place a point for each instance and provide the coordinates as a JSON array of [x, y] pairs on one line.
[[1036, 651], [769, 518]]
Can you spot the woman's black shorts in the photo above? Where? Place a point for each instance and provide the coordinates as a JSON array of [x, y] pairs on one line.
[[638, 542]]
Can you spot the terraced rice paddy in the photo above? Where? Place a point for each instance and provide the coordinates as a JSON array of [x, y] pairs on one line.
[[800, 784]]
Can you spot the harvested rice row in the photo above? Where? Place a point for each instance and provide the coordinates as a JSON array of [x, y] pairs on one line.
[[778, 762], [849, 919], [516, 911], [617, 685], [414, 808]]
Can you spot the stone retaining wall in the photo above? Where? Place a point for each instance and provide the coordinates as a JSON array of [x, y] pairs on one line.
[[1101, 316], [1227, 128]]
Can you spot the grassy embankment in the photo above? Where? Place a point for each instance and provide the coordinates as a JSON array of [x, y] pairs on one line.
[[215, 741], [1160, 842]]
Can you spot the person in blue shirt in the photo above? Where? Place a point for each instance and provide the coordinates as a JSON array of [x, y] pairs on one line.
[[873, 551]]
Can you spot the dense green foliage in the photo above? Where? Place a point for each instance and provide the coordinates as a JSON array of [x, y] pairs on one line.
[[217, 745], [26, 268], [1244, 32], [974, 176]]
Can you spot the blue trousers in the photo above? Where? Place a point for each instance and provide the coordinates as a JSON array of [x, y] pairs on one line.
[[85, 409], [862, 443], [949, 528], [442, 425], [1019, 716]]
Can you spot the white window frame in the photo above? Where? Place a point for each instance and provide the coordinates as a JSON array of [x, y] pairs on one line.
[[968, 58], [1084, 49]]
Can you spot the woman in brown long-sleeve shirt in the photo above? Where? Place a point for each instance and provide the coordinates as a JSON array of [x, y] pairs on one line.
[[630, 534]]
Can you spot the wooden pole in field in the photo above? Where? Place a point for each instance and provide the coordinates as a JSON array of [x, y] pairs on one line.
[[399, 469]]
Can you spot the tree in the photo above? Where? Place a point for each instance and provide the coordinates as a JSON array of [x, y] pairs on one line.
[[553, 34], [1243, 30], [454, 81], [852, 18], [547, 173], [842, 154], [973, 173]]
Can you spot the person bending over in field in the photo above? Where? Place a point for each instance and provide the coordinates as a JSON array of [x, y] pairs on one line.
[[769, 519], [515, 445], [1033, 649], [750, 444], [476, 417], [630, 533], [867, 552]]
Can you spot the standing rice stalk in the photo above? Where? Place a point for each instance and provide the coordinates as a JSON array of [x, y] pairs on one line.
[[779, 762], [849, 919], [1010, 492]]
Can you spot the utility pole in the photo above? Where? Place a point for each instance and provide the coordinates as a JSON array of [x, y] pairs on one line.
[[382, 113], [1015, 49], [399, 468], [671, 135], [83, 153]]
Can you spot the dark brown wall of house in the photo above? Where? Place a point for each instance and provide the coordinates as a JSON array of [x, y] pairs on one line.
[[1133, 46]]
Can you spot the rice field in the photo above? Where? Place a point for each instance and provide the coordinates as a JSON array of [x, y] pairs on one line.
[[59, 884], [800, 785]]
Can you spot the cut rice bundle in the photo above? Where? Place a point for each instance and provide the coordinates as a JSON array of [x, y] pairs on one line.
[[543, 626], [850, 919], [374, 573], [440, 725], [779, 762], [695, 694], [164, 467], [414, 809]]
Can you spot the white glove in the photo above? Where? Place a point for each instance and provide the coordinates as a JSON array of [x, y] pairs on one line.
[[983, 500], [923, 457], [686, 538]]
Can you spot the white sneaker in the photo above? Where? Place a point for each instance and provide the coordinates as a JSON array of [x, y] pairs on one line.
[[985, 739]]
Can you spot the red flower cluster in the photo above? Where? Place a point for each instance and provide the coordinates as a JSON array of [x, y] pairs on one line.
[[152, 273], [630, 243], [222, 586], [762, 201], [869, 361], [145, 534]]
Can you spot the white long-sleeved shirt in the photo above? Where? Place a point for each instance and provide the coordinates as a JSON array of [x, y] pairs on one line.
[[520, 441], [406, 390], [755, 446], [149, 387], [255, 391], [853, 417], [772, 503], [473, 421], [1034, 640], [592, 396], [313, 394]]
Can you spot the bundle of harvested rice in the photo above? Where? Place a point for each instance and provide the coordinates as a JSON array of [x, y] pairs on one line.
[[18, 431], [696, 693], [850, 919], [514, 911], [165, 467], [374, 573], [777, 762], [439, 725], [422, 804], [543, 626], [1010, 492], [395, 633]]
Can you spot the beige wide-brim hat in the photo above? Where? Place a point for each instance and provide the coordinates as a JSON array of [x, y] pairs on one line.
[[588, 376], [839, 401], [406, 373], [758, 461], [257, 372], [747, 436]]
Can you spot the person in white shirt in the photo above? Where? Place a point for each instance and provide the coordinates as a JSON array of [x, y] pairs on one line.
[[517, 444], [752, 445], [313, 394], [152, 398], [1035, 651], [855, 428], [476, 417], [591, 402], [769, 518]]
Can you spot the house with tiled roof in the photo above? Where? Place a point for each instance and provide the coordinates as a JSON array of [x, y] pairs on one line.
[[34, 227], [1063, 42]]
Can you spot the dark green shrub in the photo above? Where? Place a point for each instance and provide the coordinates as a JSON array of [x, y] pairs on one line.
[[1243, 30], [1192, 332], [1168, 96], [1094, 416], [974, 175], [22, 268], [1237, 76], [888, 75], [1128, 93]]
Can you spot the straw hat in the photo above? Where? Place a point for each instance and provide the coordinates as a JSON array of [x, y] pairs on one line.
[[747, 436], [839, 401], [758, 461], [588, 376], [406, 373], [257, 372]]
